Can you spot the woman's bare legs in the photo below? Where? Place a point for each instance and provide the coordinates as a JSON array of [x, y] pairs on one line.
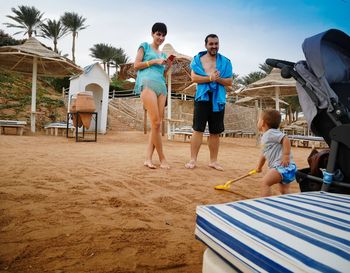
[[155, 109], [161, 106], [149, 153]]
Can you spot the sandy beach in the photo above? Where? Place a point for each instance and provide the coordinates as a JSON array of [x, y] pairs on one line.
[[94, 207]]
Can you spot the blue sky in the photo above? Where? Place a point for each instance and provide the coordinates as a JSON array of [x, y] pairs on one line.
[[249, 30]]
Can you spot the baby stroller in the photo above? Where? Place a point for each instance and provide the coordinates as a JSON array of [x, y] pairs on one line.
[[323, 86]]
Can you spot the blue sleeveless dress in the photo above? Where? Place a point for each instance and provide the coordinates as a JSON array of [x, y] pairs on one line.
[[151, 77]]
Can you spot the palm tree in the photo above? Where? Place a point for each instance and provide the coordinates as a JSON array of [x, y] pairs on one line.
[[266, 68], [54, 30], [100, 52], [74, 23], [6, 39], [252, 77], [293, 109], [120, 57], [27, 18], [109, 55], [105, 53], [236, 83]]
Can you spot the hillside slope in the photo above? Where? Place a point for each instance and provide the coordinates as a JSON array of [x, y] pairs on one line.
[[15, 100]]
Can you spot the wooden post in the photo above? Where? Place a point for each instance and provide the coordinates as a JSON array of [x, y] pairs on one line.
[[277, 94], [257, 114], [33, 107], [163, 124]]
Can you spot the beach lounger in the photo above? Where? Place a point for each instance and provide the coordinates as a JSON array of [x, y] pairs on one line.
[[248, 134], [55, 127], [305, 141], [186, 132], [18, 124], [303, 232], [231, 133]]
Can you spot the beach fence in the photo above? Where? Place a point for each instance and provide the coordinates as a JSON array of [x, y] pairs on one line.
[[130, 115]]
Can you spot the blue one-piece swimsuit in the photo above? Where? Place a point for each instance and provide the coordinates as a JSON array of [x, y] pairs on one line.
[[151, 77]]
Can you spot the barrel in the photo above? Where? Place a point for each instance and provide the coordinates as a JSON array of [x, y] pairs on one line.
[[73, 110], [85, 103]]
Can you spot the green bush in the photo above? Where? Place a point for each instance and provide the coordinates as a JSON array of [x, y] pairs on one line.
[[57, 83]]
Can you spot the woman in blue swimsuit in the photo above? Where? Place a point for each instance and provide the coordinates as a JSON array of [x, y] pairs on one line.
[[152, 66]]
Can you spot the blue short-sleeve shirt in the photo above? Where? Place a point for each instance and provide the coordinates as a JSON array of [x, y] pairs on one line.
[[151, 77]]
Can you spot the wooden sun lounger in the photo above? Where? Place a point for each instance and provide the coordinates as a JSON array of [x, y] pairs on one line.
[[56, 128], [231, 133], [186, 132], [19, 125]]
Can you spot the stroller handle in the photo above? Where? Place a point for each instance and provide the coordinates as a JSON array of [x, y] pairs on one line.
[[285, 66], [278, 63]]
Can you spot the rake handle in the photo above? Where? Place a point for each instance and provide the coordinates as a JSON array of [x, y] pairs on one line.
[[236, 179]]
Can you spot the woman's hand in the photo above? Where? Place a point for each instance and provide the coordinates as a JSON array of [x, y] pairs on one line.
[[160, 61], [169, 63]]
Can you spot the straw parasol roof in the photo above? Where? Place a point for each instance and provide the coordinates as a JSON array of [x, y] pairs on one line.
[[180, 74], [273, 85], [33, 58], [264, 102], [19, 58], [168, 49]]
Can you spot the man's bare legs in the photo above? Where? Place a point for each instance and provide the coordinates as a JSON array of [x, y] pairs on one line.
[[155, 109], [213, 143], [270, 178], [196, 142]]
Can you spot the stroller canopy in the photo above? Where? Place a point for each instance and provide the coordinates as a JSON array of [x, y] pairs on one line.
[[327, 62], [328, 54]]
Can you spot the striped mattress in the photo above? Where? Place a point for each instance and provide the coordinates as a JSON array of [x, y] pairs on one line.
[[304, 232]]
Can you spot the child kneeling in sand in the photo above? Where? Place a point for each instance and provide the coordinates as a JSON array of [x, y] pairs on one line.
[[277, 152]]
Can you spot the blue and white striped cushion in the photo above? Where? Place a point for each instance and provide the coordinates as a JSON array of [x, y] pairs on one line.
[[304, 232]]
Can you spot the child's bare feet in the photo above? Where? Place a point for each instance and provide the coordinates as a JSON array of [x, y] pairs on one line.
[[149, 164], [191, 164], [215, 165]]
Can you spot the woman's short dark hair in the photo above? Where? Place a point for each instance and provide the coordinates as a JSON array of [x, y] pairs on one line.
[[272, 118], [160, 27], [210, 36]]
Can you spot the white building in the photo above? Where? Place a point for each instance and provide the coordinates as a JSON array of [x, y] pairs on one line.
[[95, 80]]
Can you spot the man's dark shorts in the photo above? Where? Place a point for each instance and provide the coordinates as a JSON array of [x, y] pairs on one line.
[[203, 113]]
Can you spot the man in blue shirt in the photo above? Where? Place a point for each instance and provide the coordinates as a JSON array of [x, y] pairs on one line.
[[212, 72]]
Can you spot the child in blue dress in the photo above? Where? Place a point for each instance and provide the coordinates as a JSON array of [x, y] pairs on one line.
[[152, 66], [277, 152]]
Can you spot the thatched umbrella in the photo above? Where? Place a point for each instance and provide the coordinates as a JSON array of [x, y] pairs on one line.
[[33, 58], [273, 85], [265, 101]]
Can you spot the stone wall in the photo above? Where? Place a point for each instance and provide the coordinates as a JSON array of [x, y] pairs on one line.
[[129, 112]]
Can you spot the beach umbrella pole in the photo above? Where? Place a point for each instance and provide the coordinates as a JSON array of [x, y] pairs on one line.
[[277, 98], [33, 108]]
